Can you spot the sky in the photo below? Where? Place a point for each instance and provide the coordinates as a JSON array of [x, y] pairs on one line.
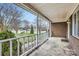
[[27, 15]]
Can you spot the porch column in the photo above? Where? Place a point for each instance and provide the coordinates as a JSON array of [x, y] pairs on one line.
[[37, 31], [68, 29], [50, 29]]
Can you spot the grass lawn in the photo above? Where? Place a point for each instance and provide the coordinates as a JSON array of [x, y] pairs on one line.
[[29, 36]]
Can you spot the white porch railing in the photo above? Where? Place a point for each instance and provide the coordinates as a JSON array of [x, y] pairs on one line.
[[28, 42]]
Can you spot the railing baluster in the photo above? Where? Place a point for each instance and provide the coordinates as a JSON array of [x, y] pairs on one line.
[[18, 46], [23, 44], [45, 34], [28, 42], [0, 48], [10, 47], [37, 40], [40, 38], [44, 38], [32, 40]]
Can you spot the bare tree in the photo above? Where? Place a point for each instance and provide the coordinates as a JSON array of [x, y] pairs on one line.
[[26, 25], [9, 17], [42, 26]]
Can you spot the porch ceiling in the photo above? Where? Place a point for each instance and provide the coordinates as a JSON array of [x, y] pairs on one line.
[[56, 12]]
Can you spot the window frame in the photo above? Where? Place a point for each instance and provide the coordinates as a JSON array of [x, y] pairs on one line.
[[75, 28]]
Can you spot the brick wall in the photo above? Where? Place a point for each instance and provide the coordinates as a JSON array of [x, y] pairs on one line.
[[59, 29], [74, 44]]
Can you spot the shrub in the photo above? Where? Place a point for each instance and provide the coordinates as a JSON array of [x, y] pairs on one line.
[[32, 30], [6, 35], [6, 45]]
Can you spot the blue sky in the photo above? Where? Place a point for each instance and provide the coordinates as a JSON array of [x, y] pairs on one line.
[[27, 15]]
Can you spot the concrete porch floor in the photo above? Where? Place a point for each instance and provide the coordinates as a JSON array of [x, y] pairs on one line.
[[53, 47]]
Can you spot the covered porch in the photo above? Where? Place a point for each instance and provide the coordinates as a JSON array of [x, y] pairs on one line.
[[56, 39]]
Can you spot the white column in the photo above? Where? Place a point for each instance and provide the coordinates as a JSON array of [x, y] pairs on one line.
[[50, 28], [37, 31], [68, 30], [73, 30]]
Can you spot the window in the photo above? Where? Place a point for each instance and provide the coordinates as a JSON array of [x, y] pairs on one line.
[[78, 21], [22, 23], [75, 24], [43, 24]]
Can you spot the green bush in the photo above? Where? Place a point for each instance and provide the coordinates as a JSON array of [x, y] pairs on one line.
[[6, 35], [32, 30], [6, 45]]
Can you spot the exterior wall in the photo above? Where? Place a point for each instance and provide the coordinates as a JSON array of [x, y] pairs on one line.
[[59, 29], [74, 42]]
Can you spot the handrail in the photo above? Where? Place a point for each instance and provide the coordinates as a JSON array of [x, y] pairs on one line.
[[5, 40], [30, 39]]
